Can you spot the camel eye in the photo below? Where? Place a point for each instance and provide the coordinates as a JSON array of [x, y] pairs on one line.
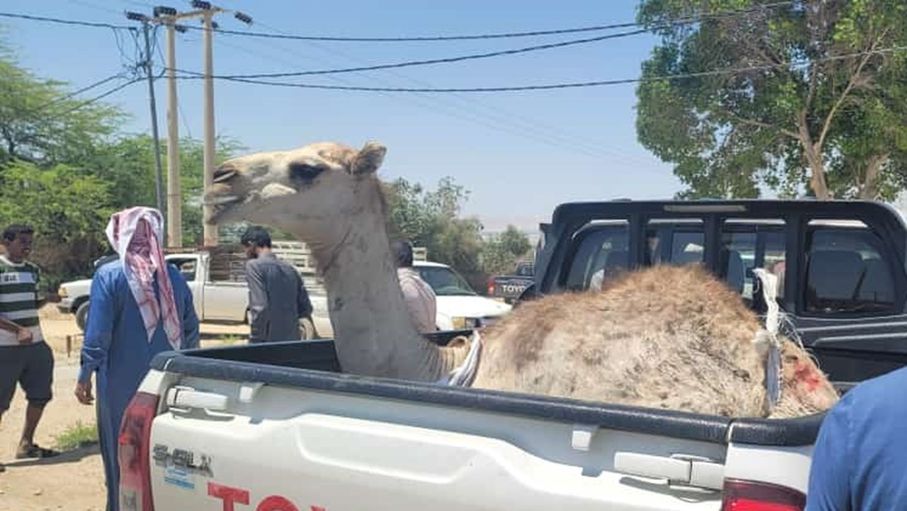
[[304, 173]]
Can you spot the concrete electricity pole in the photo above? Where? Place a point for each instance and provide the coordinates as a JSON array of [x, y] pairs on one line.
[[174, 194], [170, 17], [210, 231]]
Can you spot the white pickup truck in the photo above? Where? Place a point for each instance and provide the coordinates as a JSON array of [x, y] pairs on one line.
[[219, 296], [276, 428]]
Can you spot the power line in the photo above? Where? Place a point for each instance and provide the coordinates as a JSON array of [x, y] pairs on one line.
[[505, 35], [77, 92], [480, 113], [61, 21], [432, 102], [101, 96], [446, 60], [537, 33], [534, 33], [461, 58], [569, 85]]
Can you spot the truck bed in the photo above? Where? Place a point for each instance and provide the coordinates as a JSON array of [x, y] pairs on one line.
[[321, 439], [313, 365]]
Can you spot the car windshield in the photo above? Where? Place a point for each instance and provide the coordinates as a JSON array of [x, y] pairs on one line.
[[444, 281]]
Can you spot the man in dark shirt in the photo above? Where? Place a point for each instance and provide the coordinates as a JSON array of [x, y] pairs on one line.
[[277, 295]]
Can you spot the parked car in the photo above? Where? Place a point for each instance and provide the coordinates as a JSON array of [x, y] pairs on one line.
[[459, 306]]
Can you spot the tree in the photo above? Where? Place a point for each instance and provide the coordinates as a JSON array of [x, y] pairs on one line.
[[807, 93], [432, 219], [41, 124], [127, 164], [501, 253], [67, 209]]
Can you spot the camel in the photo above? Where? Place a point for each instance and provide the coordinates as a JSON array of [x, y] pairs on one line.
[[666, 337]]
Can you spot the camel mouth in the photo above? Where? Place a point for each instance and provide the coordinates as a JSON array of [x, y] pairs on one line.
[[220, 205], [223, 175]]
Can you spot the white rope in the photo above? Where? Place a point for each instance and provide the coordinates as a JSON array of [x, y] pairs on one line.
[[463, 375], [769, 284]]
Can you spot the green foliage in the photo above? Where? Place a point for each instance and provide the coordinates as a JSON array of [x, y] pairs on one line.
[[39, 124], [67, 209], [501, 253], [64, 168], [794, 113], [432, 219], [77, 436]]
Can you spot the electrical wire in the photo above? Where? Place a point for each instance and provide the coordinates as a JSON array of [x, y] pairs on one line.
[[470, 108], [534, 33], [100, 97], [61, 21], [446, 60], [506, 35], [77, 92], [569, 85], [443, 105]]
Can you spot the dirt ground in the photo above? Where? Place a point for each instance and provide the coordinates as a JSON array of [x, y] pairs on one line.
[[73, 481]]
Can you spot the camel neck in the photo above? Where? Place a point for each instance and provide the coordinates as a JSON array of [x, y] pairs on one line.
[[374, 334]]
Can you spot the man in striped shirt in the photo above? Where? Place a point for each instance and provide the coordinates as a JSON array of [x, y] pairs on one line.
[[25, 359]]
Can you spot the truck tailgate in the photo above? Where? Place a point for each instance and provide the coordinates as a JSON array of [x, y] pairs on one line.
[[299, 449]]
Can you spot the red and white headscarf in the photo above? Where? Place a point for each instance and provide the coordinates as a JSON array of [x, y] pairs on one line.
[[135, 234]]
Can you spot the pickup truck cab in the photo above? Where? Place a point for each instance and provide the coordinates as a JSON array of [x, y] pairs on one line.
[[841, 264]]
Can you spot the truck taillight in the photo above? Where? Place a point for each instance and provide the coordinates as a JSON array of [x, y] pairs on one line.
[[491, 287], [133, 453], [754, 496]]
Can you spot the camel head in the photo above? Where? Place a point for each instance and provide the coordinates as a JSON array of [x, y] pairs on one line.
[[309, 191], [805, 389]]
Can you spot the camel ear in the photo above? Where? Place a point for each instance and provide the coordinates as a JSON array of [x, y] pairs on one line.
[[368, 159]]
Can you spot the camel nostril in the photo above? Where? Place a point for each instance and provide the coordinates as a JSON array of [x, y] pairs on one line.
[[223, 174]]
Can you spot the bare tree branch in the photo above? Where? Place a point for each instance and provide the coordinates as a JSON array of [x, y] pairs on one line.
[[760, 124], [855, 78]]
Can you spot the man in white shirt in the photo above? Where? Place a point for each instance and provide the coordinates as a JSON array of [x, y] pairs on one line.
[[418, 295]]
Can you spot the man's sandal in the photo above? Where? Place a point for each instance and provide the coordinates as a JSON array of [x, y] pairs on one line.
[[36, 451]]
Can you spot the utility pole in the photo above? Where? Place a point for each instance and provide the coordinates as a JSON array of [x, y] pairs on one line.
[[169, 16], [174, 193], [159, 177], [210, 231]]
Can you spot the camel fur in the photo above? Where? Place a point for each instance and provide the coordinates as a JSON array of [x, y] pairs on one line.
[[665, 337]]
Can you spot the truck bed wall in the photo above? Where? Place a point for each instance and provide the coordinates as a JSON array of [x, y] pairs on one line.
[[313, 365]]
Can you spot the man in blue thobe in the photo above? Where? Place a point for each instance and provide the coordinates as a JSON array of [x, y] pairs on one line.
[[860, 459], [122, 337]]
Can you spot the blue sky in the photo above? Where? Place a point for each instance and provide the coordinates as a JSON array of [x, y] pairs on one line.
[[520, 154]]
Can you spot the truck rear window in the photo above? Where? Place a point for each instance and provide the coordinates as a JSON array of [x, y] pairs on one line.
[[847, 271]]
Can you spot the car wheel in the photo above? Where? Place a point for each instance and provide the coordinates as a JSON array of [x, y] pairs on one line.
[[82, 316]]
